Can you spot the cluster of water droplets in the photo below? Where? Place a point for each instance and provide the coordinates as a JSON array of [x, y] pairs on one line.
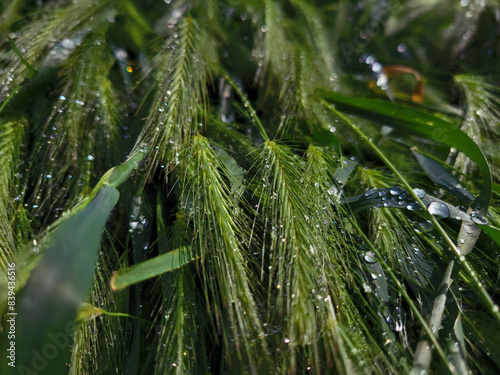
[[396, 197]]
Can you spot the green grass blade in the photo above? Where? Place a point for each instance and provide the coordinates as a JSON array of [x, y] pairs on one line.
[[422, 124], [20, 55], [492, 232], [58, 285], [151, 268], [442, 177]]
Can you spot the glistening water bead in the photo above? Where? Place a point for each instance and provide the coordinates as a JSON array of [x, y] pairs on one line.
[[396, 190], [370, 257], [438, 209], [481, 220], [420, 193]]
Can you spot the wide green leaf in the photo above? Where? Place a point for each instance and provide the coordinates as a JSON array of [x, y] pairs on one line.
[[58, 285]]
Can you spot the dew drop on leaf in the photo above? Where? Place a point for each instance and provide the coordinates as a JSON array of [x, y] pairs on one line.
[[438, 209], [369, 192], [396, 190], [420, 193], [480, 220], [370, 257], [413, 206]]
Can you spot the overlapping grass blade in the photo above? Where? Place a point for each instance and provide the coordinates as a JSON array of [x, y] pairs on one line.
[[182, 68], [151, 268], [184, 325], [300, 246], [481, 118], [219, 234], [84, 117], [65, 24]]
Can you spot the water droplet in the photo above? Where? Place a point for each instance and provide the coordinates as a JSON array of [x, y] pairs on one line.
[[287, 340], [396, 190], [480, 220], [90, 157], [62, 97], [135, 225], [49, 176], [377, 67], [438, 209], [413, 206], [68, 44], [462, 240], [420, 193], [369, 192], [370, 257], [426, 226], [332, 129]]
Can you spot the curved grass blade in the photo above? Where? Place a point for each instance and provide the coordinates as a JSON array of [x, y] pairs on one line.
[[442, 177], [492, 232], [151, 268], [457, 349], [20, 55], [422, 124], [58, 285], [396, 197]]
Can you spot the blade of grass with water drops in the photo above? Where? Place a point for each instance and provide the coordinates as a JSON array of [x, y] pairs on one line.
[[151, 268], [424, 125], [442, 177]]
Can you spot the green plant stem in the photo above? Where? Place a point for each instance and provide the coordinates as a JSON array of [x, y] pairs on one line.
[[7, 100], [253, 115], [494, 309], [18, 53], [423, 353]]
